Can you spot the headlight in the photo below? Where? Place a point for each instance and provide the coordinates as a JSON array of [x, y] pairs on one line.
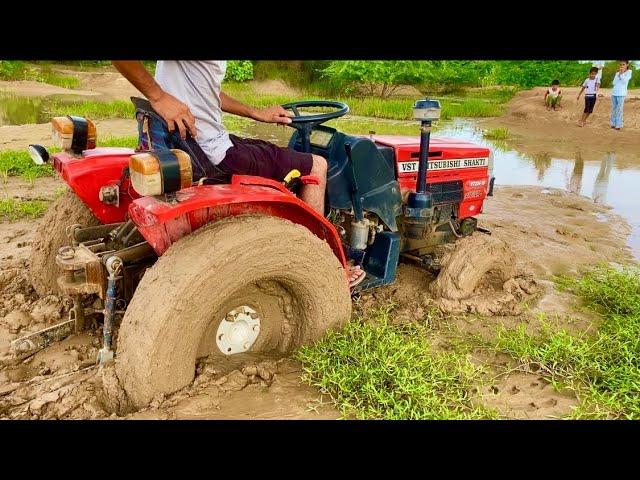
[[160, 171], [39, 154], [73, 134]]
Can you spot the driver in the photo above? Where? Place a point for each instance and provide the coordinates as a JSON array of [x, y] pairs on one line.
[[187, 95]]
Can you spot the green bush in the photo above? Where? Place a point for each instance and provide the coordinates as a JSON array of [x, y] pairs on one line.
[[239, 70], [11, 69], [376, 77], [374, 369]]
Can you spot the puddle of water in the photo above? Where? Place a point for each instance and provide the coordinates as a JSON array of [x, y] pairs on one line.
[[605, 181], [20, 110]]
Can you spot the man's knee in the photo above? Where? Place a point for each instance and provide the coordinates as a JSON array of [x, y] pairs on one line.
[[319, 165]]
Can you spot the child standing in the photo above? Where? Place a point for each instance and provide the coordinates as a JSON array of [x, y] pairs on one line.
[[618, 93], [591, 85], [553, 95]]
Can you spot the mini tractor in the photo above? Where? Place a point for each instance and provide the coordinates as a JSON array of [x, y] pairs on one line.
[[185, 265]]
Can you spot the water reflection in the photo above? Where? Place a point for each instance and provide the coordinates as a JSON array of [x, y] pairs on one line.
[[542, 161], [601, 184], [20, 110], [575, 184]]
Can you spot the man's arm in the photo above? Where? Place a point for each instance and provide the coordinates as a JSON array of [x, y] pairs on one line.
[[580, 92], [174, 112], [274, 114]]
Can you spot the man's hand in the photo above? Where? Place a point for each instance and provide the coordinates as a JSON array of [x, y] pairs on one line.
[[175, 113], [275, 114]]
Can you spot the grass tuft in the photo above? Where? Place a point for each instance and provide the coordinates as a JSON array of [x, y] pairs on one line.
[[500, 133], [603, 369], [373, 369], [12, 209]]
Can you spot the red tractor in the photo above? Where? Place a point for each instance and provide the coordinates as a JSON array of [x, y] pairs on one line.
[[195, 267]]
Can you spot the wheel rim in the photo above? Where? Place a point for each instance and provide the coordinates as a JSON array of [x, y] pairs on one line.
[[238, 330]]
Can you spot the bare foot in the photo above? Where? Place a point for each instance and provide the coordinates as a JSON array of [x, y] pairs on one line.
[[356, 275]]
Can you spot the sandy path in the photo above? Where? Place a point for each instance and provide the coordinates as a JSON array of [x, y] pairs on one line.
[[18, 137], [536, 129], [30, 88]]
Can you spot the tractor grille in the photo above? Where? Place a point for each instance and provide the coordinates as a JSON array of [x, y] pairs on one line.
[[446, 192]]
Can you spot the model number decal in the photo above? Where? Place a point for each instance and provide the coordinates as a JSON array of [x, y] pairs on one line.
[[409, 167]]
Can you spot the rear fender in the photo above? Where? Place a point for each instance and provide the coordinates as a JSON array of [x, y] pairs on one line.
[[163, 222], [97, 168]]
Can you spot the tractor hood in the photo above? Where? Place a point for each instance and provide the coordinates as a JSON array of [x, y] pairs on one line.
[[436, 143]]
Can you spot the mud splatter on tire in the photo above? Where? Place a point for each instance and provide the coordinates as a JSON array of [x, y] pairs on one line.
[[291, 276], [481, 275], [50, 236]]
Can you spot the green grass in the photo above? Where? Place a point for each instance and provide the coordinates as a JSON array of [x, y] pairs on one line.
[[390, 108], [94, 110], [12, 209], [373, 369], [17, 70], [58, 80], [500, 133], [18, 163], [604, 368], [126, 142]]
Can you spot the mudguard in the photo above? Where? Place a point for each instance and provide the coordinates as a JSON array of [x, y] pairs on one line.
[[97, 168], [163, 222]]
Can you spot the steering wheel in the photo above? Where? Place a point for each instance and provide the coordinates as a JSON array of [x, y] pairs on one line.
[[305, 123]]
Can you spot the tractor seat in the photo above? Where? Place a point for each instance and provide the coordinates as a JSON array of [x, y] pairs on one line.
[[154, 134]]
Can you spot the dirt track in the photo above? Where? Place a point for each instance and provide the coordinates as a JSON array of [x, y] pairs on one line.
[[535, 129]]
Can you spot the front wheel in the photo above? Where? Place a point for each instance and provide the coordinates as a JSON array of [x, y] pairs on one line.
[[244, 285]]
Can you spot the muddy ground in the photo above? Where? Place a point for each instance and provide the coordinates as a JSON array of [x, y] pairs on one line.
[[62, 380]]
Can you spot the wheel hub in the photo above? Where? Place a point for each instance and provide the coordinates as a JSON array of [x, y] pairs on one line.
[[238, 330]]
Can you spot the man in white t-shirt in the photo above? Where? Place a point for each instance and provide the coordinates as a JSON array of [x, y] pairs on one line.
[[187, 95], [590, 87]]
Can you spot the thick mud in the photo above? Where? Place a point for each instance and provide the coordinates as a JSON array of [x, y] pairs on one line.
[[548, 232], [481, 275], [261, 262], [68, 209]]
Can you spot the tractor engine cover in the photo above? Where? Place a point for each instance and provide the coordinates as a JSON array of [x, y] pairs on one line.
[[459, 171]]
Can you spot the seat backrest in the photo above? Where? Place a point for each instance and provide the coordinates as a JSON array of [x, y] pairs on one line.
[[155, 135]]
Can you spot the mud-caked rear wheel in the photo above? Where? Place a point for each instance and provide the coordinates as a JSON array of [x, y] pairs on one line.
[[244, 285], [50, 235]]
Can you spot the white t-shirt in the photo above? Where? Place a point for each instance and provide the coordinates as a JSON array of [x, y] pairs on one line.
[[197, 83], [620, 82], [553, 93], [590, 86]]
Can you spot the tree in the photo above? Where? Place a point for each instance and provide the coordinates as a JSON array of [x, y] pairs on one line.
[[378, 77]]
